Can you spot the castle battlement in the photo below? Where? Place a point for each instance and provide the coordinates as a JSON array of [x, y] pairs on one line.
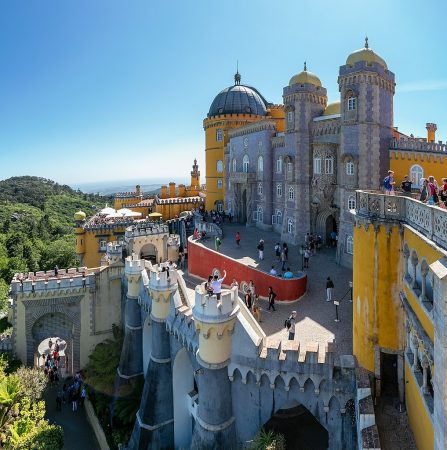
[[150, 229], [134, 265], [159, 279], [208, 308], [115, 249], [418, 144]]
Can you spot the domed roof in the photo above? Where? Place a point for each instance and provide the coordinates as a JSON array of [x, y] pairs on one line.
[[80, 215], [238, 99], [365, 54], [305, 77], [331, 109]]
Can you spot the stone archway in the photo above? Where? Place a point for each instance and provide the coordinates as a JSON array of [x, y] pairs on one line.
[[51, 314], [149, 251], [326, 222]]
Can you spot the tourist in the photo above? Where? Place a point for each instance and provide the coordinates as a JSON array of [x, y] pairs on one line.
[[307, 238], [283, 259], [234, 283], [238, 239], [208, 286], [388, 183], [329, 289], [83, 395], [291, 326], [251, 286], [50, 343], [216, 285], [272, 297], [261, 249], [424, 190], [288, 274], [256, 308], [443, 192], [278, 250], [286, 250], [217, 243], [306, 258], [333, 238], [248, 299], [432, 188], [74, 399], [273, 271], [406, 186], [183, 260]]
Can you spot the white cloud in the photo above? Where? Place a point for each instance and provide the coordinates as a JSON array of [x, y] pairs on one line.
[[421, 86]]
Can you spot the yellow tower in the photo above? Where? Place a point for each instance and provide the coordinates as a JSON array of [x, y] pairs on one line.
[[233, 107], [79, 218], [431, 132]]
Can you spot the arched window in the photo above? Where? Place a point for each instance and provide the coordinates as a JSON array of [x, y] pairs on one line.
[[416, 174], [260, 190], [260, 164], [245, 163], [329, 166], [291, 193], [279, 217], [349, 168], [219, 166], [219, 183], [234, 165], [290, 226], [349, 245], [219, 135], [260, 214], [279, 165], [352, 103], [279, 190], [351, 202]]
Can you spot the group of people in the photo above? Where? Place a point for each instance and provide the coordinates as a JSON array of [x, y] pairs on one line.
[[74, 393], [51, 361], [430, 191]]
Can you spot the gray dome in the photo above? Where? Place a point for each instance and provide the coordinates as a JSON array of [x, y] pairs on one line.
[[238, 99]]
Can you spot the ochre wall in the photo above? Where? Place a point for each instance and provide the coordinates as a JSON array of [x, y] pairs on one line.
[[202, 260], [377, 315], [420, 422]]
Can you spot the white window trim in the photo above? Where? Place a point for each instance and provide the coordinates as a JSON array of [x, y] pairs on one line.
[[329, 164], [260, 164], [260, 189], [290, 226], [351, 202], [279, 190], [291, 195], [420, 171], [219, 135], [352, 103], [289, 116], [279, 165], [234, 165], [317, 166], [245, 164], [349, 245], [349, 168]]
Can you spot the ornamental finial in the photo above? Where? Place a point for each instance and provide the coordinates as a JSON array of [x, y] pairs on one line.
[[366, 42], [305, 66], [237, 75]]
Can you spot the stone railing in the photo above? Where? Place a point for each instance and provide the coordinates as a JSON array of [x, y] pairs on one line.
[[242, 177], [133, 232], [420, 145], [431, 221]]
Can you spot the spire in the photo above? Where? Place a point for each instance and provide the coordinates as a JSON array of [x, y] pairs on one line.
[[366, 42], [305, 66], [237, 75]]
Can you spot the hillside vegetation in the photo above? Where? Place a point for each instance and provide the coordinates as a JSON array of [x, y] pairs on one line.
[[36, 225]]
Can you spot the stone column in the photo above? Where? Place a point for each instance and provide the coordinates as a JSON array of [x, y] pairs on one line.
[[424, 273], [414, 262], [154, 425], [424, 364], [415, 342], [214, 320], [131, 361]]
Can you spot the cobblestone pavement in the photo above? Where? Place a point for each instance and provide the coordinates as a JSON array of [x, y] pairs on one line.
[[394, 429], [316, 317]]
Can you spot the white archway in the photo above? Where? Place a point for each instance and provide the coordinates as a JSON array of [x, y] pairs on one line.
[[183, 385], [147, 342]]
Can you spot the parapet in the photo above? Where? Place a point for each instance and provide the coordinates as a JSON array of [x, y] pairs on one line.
[[160, 279], [147, 228], [418, 144], [134, 265], [208, 308]]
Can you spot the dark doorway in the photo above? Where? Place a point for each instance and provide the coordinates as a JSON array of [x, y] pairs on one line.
[[331, 225], [243, 209], [300, 429], [388, 373]]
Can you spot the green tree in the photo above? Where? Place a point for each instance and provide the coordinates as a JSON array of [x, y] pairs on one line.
[[59, 253]]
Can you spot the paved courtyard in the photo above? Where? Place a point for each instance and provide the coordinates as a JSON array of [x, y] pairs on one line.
[[316, 317]]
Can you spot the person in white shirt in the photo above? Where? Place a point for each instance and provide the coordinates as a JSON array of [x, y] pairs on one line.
[[216, 285], [273, 271], [291, 329]]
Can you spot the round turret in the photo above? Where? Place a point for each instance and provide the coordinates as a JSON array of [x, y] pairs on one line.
[[79, 216], [367, 55], [305, 77], [332, 108]]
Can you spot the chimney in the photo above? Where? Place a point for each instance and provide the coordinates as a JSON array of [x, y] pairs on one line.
[[181, 190], [171, 189], [431, 132], [164, 193]]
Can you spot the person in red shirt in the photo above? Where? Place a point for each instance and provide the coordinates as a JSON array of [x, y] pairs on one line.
[[238, 239]]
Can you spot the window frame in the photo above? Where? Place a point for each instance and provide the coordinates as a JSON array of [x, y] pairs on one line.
[[234, 165], [245, 163], [290, 225], [352, 202], [219, 182], [219, 135], [350, 245], [279, 165], [279, 190], [421, 171], [260, 163], [329, 163], [260, 189], [291, 193], [350, 168], [352, 103], [317, 165]]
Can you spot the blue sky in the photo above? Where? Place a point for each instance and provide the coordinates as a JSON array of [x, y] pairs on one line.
[[109, 90]]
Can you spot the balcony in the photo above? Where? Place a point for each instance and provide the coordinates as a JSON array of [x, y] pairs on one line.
[[242, 177]]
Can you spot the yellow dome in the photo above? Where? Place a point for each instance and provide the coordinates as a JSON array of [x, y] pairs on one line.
[[365, 54], [305, 77], [80, 215], [332, 108]]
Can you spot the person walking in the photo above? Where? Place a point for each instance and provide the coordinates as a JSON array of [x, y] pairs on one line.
[[252, 288], [406, 186], [257, 309], [234, 283], [291, 326], [272, 297], [286, 250], [329, 289], [217, 243], [388, 183], [238, 239], [278, 250], [83, 395], [283, 259], [216, 285], [261, 249], [306, 258], [248, 300]]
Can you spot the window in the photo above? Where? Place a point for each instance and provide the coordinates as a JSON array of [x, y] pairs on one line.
[[279, 217], [349, 168], [245, 163], [352, 103], [219, 206], [317, 166], [219, 183], [219, 135], [290, 116], [291, 193], [416, 173], [329, 166], [259, 188], [260, 214], [234, 165], [351, 202], [279, 190], [246, 142], [349, 245], [290, 226], [219, 166], [279, 165], [103, 245], [260, 164], [289, 167]]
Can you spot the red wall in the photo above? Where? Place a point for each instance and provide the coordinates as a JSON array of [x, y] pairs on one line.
[[202, 260]]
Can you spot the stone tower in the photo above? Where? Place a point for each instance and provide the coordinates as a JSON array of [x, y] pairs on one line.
[[131, 361], [154, 425], [214, 321], [366, 94], [304, 99]]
